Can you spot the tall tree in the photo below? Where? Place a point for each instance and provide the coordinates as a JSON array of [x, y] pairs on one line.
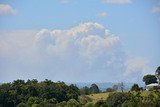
[[149, 79], [135, 87], [94, 88]]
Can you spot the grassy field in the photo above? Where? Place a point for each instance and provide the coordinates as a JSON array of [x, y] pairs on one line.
[[99, 96], [103, 96]]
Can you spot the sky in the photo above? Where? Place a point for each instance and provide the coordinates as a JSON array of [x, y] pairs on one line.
[[79, 40]]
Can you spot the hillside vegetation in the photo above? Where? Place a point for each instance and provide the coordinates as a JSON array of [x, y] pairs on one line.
[[57, 94], [32, 93]]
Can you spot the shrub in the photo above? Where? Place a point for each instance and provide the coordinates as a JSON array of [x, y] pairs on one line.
[[52, 101], [73, 103], [129, 104], [22, 105], [117, 99], [34, 100], [61, 104], [89, 104], [101, 103]]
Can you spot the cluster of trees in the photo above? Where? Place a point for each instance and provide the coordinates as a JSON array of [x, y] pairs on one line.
[[33, 92], [37, 102], [50, 94], [133, 99], [149, 79], [136, 88], [116, 87], [115, 99], [90, 90], [42, 94]]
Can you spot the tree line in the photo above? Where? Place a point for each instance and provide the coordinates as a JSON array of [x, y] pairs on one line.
[[11, 94], [43, 93], [47, 93]]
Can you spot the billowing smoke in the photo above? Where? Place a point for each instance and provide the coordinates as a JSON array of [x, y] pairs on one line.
[[87, 52]]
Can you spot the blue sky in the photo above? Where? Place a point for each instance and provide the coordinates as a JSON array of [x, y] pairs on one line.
[[131, 47]]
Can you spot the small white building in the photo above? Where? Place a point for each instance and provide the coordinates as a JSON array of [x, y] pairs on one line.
[[150, 86]]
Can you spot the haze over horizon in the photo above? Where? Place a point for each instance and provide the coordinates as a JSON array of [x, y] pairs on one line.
[[79, 40]]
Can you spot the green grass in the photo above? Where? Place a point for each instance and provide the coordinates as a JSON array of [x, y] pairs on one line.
[[103, 96], [99, 96]]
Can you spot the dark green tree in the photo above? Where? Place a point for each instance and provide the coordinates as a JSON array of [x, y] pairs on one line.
[[33, 81], [73, 92], [149, 79], [94, 89], [117, 99], [135, 87]]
